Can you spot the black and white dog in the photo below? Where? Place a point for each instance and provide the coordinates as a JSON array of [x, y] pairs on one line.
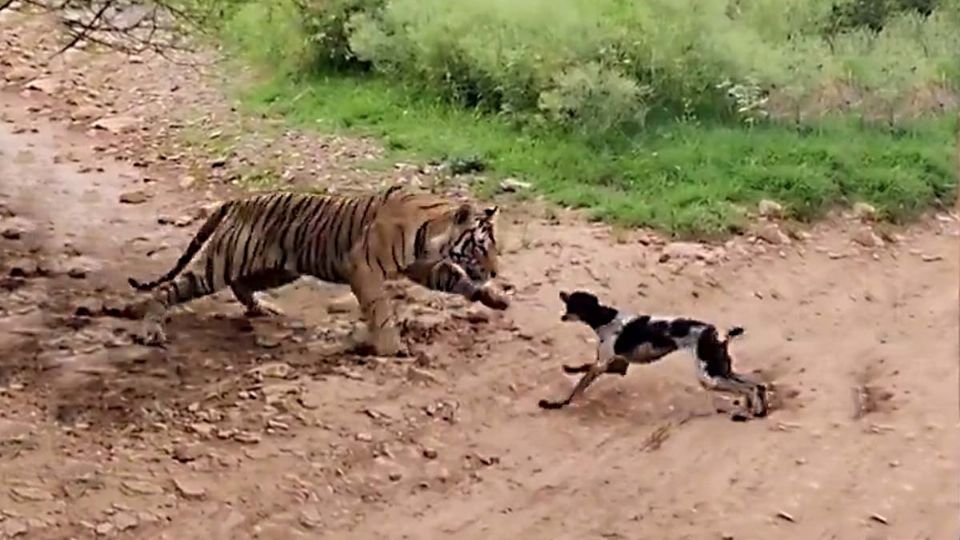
[[626, 338]]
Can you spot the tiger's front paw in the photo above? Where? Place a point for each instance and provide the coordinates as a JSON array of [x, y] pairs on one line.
[[491, 299]]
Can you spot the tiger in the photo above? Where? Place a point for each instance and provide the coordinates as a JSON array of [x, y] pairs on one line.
[[265, 241]]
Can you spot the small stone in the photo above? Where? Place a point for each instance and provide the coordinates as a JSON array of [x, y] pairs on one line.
[[363, 437], [103, 529], [430, 453], [772, 234], [47, 85], [273, 340], [930, 258], [416, 374], [786, 516], [15, 527], [477, 315], [19, 73], [24, 267], [686, 250], [134, 197], [310, 518], [202, 428], [77, 272], [879, 518], [85, 113], [125, 520], [768, 208], [867, 238], [273, 370], [187, 181], [140, 487], [189, 489], [185, 453], [12, 233], [246, 437], [511, 185], [183, 221], [28, 493], [395, 476], [115, 124], [344, 304], [864, 211]]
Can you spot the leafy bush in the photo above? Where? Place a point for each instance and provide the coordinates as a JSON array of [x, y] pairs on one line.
[[600, 65]]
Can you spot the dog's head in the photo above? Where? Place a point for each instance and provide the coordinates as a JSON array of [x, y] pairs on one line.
[[580, 306]]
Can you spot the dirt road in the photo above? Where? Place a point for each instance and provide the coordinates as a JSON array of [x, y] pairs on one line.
[[267, 429]]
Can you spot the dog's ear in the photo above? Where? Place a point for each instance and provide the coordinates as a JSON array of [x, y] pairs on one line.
[[564, 296]]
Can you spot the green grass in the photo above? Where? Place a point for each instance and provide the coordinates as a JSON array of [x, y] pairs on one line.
[[685, 178]]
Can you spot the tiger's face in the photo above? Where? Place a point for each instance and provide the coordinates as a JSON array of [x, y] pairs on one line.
[[475, 249]]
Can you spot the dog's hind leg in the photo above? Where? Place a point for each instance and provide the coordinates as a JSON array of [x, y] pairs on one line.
[[755, 393]]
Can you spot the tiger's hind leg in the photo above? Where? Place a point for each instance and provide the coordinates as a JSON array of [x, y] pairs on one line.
[[244, 289]]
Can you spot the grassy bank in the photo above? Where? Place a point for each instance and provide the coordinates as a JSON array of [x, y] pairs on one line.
[[686, 170]]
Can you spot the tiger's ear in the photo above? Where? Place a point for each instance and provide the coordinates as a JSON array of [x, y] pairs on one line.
[[464, 214], [564, 296], [491, 212]]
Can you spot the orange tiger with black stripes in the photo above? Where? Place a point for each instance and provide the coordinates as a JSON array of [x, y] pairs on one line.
[[266, 241]]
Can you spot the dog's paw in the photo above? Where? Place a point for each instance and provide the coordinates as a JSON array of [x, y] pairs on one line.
[[547, 404]]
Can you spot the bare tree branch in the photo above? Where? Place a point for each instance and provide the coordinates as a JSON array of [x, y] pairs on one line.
[[85, 30], [128, 26]]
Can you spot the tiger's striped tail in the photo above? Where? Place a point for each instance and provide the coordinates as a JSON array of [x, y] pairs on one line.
[[196, 243]]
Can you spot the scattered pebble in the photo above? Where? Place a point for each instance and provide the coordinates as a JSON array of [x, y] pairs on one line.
[[786, 516], [864, 211], [15, 527], [310, 518], [772, 234], [430, 453], [29, 493], [416, 374], [124, 521], [511, 185], [134, 197], [879, 518], [140, 487], [768, 208], [189, 489], [185, 453]]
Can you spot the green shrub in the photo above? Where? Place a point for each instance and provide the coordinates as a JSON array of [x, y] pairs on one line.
[[326, 23]]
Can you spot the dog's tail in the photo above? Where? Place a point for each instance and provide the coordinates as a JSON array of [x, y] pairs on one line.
[[733, 332]]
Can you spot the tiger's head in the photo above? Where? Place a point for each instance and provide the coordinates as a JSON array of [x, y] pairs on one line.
[[475, 243]]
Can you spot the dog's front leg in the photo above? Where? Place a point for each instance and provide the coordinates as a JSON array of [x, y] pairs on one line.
[[602, 365]]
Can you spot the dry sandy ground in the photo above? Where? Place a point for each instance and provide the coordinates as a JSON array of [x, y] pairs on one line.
[[267, 429]]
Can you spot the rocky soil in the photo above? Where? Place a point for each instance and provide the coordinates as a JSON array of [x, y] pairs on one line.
[[270, 428]]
